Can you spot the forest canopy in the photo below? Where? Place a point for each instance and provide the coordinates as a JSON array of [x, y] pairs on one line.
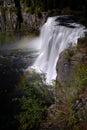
[[54, 4], [16, 9]]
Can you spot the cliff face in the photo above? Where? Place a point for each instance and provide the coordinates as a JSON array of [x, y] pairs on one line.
[[30, 21], [66, 64], [70, 109], [69, 58]]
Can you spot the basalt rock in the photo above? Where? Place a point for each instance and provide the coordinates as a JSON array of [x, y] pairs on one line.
[[66, 64]]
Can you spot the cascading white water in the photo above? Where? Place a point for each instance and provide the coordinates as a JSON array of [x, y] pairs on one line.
[[54, 38]]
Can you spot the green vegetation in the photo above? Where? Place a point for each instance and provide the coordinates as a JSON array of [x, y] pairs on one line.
[[16, 8], [33, 103], [5, 38], [70, 53], [26, 104], [65, 5], [67, 95]]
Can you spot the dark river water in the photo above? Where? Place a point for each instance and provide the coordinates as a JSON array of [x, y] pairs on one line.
[[13, 64]]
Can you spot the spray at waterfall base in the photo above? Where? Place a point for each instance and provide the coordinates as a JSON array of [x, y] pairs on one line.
[[57, 34]]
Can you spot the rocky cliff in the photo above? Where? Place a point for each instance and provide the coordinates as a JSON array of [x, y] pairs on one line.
[[70, 109], [69, 58], [66, 64]]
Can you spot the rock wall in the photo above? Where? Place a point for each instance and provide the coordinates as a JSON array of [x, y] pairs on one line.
[[66, 64], [70, 109], [34, 21], [30, 21]]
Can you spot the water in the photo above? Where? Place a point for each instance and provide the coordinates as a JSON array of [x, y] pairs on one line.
[[57, 34]]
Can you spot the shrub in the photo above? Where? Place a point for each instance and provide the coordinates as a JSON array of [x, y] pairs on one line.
[[67, 95], [5, 38], [27, 9], [70, 53], [12, 8], [34, 102]]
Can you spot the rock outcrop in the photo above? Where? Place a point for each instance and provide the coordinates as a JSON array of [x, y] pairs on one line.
[[66, 64], [70, 109], [30, 21]]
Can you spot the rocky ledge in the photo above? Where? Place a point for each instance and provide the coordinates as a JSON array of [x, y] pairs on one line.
[[70, 109], [66, 64]]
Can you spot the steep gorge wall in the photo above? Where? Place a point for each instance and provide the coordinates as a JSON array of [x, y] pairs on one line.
[[69, 58], [70, 108], [66, 64], [30, 21]]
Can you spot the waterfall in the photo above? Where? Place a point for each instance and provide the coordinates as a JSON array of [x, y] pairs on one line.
[[57, 34]]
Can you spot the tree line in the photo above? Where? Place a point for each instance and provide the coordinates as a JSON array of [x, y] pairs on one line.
[[36, 7], [54, 4]]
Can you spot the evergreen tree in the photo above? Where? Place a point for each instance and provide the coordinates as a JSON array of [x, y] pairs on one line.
[[19, 14]]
